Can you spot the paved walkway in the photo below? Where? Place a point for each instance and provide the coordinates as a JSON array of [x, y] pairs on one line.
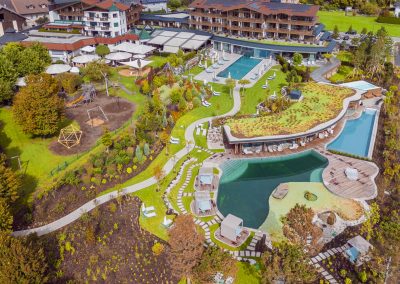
[[168, 167], [318, 74]]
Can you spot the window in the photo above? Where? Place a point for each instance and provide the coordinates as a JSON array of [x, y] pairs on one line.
[[115, 25], [115, 15], [1, 17]]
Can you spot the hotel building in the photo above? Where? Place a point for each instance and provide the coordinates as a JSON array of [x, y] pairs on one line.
[[255, 19]]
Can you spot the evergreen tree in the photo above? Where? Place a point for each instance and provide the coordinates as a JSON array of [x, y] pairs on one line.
[[102, 50], [146, 149], [335, 34], [10, 182], [20, 261], [37, 107], [6, 218], [138, 153]]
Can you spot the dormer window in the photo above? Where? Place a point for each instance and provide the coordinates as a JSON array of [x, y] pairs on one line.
[[43, 6], [30, 7]]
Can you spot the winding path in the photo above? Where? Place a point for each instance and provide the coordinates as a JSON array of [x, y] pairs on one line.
[[168, 167]]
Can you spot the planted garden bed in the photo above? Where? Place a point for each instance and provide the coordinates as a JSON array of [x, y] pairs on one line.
[[321, 103]]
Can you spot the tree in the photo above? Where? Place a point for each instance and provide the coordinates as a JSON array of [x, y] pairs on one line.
[[174, 4], [6, 218], [159, 174], [297, 59], [102, 50], [364, 31], [95, 70], [33, 60], [139, 154], [106, 139], [146, 149], [21, 261], [37, 107], [69, 82], [297, 226], [231, 84], [373, 217], [8, 77], [212, 261], [288, 263], [186, 246], [243, 82], [146, 87], [10, 182], [350, 29], [335, 34]]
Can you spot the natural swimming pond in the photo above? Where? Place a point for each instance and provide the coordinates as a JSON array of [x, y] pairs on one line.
[[356, 135], [247, 184], [239, 68]]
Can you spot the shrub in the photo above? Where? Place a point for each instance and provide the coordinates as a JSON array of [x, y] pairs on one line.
[[157, 248], [129, 170], [388, 20], [103, 181]]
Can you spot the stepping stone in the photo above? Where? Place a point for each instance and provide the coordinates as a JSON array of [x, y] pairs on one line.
[[320, 270], [317, 265], [204, 226], [253, 253], [241, 253], [184, 211], [329, 277], [330, 252], [197, 221], [236, 253], [314, 260], [258, 254], [333, 281], [326, 254], [247, 253], [322, 256], [318, 258], [335, 250], [324, 273]]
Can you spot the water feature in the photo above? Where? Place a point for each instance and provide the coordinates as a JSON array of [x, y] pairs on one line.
[[240, 67], [356, 135], [245, 188]]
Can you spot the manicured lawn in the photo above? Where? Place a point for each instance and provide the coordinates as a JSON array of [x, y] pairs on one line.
[[342, 74], [157, 60], [320, 103], [266, 41], [256, 94], [34, 153], [247, 274], [330, 19]]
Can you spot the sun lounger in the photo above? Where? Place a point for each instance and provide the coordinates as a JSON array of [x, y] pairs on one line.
[[205, 103], [264, 86], [198, 131], [280, 149], [204, 132], [215, 66], [247, 151], [216, 93], [149, 214], [221, 62], [302, 143], [150, 208], [294, 146], [209, 70]]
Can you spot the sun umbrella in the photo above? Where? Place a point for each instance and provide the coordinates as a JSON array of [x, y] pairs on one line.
[[58, 69], [205, 82], [74, 70], [140, 56]]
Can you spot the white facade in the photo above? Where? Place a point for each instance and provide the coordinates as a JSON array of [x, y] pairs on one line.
[[105, 23], [153, 7]]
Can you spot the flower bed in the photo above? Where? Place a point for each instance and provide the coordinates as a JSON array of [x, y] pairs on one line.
[[321, 103]]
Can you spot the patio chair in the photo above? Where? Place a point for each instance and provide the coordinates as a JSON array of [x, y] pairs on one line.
[[149, 214], [216, 93]]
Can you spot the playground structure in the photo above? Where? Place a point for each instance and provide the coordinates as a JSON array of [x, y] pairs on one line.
[[96, 121], [87, 96], [69, 136]]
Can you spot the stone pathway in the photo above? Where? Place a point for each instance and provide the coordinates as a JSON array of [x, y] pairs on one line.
[[323, 255]]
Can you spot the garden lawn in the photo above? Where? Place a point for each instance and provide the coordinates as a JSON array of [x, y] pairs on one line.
[[157, 60], [247, 274], [348, 209], [330, 19], [34, 153], [321, 103], [342, 74], [256, 94]]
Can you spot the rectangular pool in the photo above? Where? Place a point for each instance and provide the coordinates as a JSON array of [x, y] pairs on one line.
[[239, 68], [356, 135]]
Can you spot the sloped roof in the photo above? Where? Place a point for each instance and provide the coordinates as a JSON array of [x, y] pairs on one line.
[[11, 35], [109, 5], [261, 6], [28, 7], [11, 11]]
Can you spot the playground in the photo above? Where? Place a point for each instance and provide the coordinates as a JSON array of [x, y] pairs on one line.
[[93, 116]]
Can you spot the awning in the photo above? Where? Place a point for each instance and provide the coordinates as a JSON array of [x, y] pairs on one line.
[[88, 49], [83, 59], [118, 56], [74, 70], [352, 174], [134, 48], [134, 63], [57, 69], [170, 49]]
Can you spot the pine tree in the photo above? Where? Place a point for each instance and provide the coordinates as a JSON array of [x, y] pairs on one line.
[[10, 181], [139, 154], [335, 34], [6, 219], [20, 261]]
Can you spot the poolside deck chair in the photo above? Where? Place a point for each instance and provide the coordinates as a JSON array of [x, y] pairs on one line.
[[215, 93], [198, 131], [204, 132], [209, 70], [167, 222], [149, 214]]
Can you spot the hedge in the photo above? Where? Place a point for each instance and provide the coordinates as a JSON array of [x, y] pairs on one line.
[[388, 20], [349, 155]]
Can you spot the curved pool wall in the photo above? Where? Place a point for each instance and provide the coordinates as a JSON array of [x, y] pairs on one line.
[[246, 184], [357, 135]]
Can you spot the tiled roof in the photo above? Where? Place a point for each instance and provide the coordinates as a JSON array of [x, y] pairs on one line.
[[71, 46], [28, 7], [262, 6], [110, 5], [160, 18], [11, 35], [11, 11], [144, 2]]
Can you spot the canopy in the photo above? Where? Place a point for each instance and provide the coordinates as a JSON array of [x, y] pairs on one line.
[[134, 63], [83, 59], [57, 69], [88, 49], [74, 70], [231, 227], [352, 174], [118, 56], [203, 200], [133, 48], [139, 56], [21, 82], [170, 49]]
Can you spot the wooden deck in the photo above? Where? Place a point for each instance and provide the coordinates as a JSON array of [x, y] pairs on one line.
[[239, 241], [336, 181]]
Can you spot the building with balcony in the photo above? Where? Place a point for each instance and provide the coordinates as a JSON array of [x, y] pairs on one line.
[[10, 20], [73, 14], [32, 10], [260, 19]]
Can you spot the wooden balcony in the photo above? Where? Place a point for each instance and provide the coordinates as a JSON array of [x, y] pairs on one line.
[[245, 20], [212, 15], [245, 29], [71, 13], [206, 23]]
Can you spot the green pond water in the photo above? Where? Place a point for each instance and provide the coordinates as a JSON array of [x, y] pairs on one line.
[[246, 184]]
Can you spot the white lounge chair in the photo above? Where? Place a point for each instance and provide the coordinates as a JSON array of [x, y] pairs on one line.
[[198, 131], [149, 214], [204, 132], [280, 149], [205, 103], [167, 222], [150, 208], [209, 70], [215, 93]]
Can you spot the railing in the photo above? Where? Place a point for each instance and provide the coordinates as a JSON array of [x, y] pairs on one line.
[[105, 28]]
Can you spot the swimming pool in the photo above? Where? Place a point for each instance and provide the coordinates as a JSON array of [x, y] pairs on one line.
[[239, 68], [356, 135], [246, 184]]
